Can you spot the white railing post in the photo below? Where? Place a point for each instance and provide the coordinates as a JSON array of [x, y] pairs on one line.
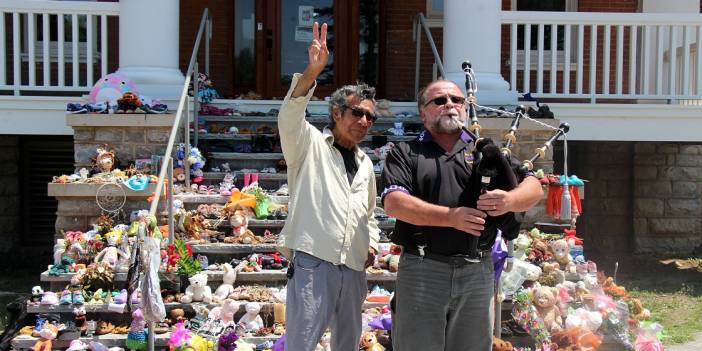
[[31, 40], [593, 62], [3, 51], [45, 50], [620, 58], [89, 50], [686, 63], [659, 60], [513, 57], [74, 47], [16, 53], [605, 59], [527, 58], [632, 60], [554, 66], [673, 58], [61, 33], [581, 54], [103, 46], [540, 60], [646, 52], [698, 52], [566, 61]]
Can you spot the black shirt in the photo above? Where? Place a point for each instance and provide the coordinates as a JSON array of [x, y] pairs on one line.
[[349, 157], [425, 170]]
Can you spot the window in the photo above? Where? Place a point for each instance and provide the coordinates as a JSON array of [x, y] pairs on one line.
[[435, 8]]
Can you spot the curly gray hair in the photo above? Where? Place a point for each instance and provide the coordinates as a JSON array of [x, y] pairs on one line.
[[339, 98]]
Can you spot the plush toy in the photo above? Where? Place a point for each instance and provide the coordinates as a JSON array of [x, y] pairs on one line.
[[175, 316], [37, 293], [227, 286], [106, 159], [539, 252], [324, 343], [48, 333], [392, 259], [545, 299], [226, 312], [195, 159], [197, 291], [552, 274], [240, 229], [369, 342], [79, 313], [251, 264], [561, 252], [111, 255], [521, 246], [128, 103], [613, 289], [382, 153], [637, 311], [110, 88], [501, 345], [582, 318], [136, 338], [382, 107], [251, 321]]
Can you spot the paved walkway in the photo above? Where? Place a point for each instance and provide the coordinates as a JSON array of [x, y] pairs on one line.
[[694, 345]]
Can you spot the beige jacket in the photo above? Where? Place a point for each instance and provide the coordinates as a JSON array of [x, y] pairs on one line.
[[327, 218]]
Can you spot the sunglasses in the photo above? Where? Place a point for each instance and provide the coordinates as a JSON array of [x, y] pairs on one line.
[[443, 100], [359, 113]]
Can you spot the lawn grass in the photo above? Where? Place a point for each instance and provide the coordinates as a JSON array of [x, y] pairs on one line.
[[673, 296], [680, 312]]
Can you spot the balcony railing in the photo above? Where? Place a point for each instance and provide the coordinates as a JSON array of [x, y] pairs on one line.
[[622, 56], [45, 39]]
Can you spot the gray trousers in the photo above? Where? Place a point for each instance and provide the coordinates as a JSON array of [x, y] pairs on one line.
[[443, 308], [322, 295]]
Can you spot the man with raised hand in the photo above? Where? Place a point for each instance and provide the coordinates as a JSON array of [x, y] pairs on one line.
[[331, 232]]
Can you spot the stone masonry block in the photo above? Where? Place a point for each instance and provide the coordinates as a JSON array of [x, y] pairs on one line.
[[640, 226], [645, 148], [144, 151], [157, 135], [681, 173], [653, 189], [649, 160], [84, 153], [691, 149], [615, 173], [683, 207], [619, 188], [108, 135], [83, 133], [645, 172], [688, 160], [668, 148], [685, 189], [134, 135], [674, 226], [677, 245], [71, 223], [648, 207]]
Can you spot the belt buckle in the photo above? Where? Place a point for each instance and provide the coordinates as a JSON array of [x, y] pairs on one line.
[[462, 260]]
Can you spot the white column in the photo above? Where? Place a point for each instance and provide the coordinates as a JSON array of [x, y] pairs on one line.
[[472, 32], [148, 46]]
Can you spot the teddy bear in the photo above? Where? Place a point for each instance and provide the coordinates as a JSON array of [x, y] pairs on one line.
[[539, 252], [226, 312], [369, 342], [241, 234], [382, 107], [48, 333], [545, 300], [521, 246], [324, 343], [637, 311], [106, 159], [561, 252], [392, 259], [610, 288], [552, 274], [251, 321], [197, 290], [501, 345], [382, 152], [228, 279]]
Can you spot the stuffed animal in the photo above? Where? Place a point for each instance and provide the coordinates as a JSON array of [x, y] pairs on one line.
[[128, 103], [106, 159], [37, 293], [197, 291], [521, 246], [637, 311], [392, 259], [324, 343], [545, 299], [582, 318], [240, 229], [136, 338], [382, 152], [539, 252], [561, 252], [613, 289], [251, 321], [251, 264], [110, 88], [226, 312], [195, 159], [501, 345], [48, 333], [369, 342], [111, 255], [176, 316], [552, 274], [227, 286], [382, 107]]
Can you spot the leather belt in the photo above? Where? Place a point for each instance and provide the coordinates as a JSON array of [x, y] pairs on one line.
[[457, 260]]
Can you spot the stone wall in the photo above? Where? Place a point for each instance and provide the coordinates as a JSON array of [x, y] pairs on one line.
[[667, 207], [130, 143], [10, 201]]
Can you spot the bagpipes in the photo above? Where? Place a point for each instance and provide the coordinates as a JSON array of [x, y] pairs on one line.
[[492, 169]]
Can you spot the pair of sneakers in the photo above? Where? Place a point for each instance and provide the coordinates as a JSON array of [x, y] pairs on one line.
[[71, 297], [121, 298]]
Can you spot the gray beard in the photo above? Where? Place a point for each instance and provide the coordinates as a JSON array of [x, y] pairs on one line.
[[447, 125]]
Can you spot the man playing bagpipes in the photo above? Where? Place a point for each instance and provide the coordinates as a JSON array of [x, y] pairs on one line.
[[445, 283]]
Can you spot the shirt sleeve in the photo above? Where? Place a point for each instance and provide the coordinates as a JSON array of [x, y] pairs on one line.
[[294, 130], [373, 230], [397, 172]]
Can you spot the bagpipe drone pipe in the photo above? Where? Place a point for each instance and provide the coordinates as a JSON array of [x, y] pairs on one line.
[[494, 168]]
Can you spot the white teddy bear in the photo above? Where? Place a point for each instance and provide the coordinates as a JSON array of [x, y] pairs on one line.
[[382, 153], [197, 290], [251, 321]]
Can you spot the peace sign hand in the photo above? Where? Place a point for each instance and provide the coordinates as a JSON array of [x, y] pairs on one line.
[[318, 52]]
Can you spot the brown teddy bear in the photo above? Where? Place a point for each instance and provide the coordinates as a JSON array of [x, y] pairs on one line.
[[501, 345], [545, 300]]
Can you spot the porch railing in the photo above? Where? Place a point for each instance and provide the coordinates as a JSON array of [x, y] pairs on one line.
[[53, 45], [624, 56]]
